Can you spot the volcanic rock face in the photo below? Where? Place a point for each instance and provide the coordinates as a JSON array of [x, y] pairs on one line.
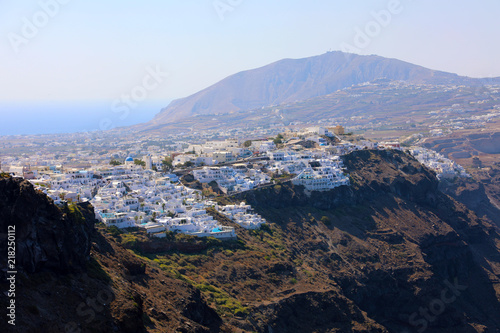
[[73, 278], [390, 253], [322, 311], [373, 173], [47, 237], [474, 195], [394, 245]]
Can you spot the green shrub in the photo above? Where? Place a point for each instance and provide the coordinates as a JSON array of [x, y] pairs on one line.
[[114, 231], [241, 312], [75, 213], [129, 241], [266, 228], [95, 270], [207, 287], [326, 220]]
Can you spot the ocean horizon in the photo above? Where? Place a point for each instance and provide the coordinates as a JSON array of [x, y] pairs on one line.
[[55, 117]]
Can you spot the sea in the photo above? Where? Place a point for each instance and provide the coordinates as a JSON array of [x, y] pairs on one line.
[[52, 117]]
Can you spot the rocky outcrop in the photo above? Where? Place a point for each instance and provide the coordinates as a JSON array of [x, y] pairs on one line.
[[393, 209], [314, 312], [372, 173], [473, 194], [74, 278], [376, 256], [47, 237]]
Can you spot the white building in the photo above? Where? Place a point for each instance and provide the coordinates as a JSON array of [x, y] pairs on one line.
[[321, 178], [242, 214]]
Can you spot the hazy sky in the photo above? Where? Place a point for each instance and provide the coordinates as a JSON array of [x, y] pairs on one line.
[[99, 50]]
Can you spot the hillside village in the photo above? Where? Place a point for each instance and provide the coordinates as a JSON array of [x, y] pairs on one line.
[[444, 167], [153, 193]]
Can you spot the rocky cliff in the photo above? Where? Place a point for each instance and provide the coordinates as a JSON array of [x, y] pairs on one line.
[[47, 237], [390, 253], [74, 278], [391, 243]]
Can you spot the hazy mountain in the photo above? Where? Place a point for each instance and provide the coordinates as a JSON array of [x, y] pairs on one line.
[[292, 80]]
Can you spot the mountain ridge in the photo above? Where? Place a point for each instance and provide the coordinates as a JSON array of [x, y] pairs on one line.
[[290, 80]]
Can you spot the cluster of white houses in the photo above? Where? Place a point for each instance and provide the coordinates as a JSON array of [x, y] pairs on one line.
[[316, 171], [230, 179], [193, 221], [74, 184], [321, 178], [147, 200], [242, 214], [319, 170], [132, 195], [444, 167]]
